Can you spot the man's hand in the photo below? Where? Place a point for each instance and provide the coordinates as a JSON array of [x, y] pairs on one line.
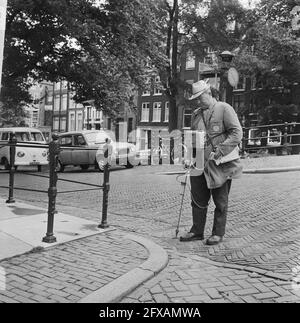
[[187, 164]]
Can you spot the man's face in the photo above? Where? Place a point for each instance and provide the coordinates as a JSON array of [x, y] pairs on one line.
[[204, 100]]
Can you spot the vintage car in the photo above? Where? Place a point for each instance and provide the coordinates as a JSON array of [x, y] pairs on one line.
[[86, 148]]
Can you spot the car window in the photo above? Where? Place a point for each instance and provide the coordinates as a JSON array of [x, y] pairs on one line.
[[96, 137], [22, 136], [5, 135], [36, 136], [79, 140], [66, 141]]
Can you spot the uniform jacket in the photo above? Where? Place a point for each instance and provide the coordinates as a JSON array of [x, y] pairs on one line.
[[221, 125]]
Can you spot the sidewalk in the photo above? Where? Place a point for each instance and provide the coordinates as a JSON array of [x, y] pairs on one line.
[[88, 264]]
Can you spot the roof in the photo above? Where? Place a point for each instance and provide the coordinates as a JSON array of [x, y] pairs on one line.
[[80, 132], [23, 129]]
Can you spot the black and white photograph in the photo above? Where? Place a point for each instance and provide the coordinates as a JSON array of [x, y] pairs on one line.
[[150, 156]]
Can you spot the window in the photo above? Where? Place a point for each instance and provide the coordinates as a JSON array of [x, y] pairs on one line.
[[66, 141], [55, 124], [238, 102], [146, 92], [156, 112], [64, 85], [79, 140], [241, 85], [63, 123], [36, 136], [64, 102], [22, 136], [72, 122], [57, 86], [190, 62], [79, 121], [49, 99], [6, 135], [253, 83], [145, 112], [167, 111], [157, 86], [187, 118], [56, 103]]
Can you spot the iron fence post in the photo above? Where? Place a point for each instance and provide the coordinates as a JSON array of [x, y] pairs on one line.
[[244, 137], [52, 191], [106, 185], [12, 157], [285, 139]]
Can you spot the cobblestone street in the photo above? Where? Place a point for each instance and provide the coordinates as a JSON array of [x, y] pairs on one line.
[[258, 256]]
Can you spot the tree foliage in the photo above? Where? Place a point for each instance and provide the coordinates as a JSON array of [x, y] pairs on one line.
[[194, 24], [271, 50], [98, 47]]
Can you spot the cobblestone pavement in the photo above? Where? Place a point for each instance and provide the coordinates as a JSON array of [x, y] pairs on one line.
[[69, 272], [192, 279], [262, 232]]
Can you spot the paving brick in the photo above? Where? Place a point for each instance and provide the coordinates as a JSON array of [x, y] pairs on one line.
[[5, 299], [213, 293], [226, 281], [179, 294], [286, 299], [161, 298], [211, 285], [249, 299], [280, 291], [228, 288], [197, 299], [246, 291], [265, 295], [261, 287]]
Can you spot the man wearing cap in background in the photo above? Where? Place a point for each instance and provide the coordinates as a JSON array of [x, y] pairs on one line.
[[223, 132]]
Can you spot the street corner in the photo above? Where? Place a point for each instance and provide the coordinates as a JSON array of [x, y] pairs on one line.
[[127, 283]]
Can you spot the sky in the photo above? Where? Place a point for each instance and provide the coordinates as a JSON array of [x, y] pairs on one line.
[[248, 3]]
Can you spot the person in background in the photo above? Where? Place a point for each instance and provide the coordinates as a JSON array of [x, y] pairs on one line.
[[223, 133]]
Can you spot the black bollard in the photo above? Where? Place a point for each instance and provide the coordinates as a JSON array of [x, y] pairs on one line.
[[12, 157], [52, 191], [106, 185]]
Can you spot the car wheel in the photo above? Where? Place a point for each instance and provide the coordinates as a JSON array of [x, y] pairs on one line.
[[129, 165], [60, 167], [84, 167]]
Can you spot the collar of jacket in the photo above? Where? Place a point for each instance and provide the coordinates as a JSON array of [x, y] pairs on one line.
[[197, 111]]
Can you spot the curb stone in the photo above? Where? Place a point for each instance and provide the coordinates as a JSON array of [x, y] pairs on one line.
[[122, 286]]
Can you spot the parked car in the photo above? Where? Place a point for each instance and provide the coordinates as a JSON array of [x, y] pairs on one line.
[[25, 156], [89, 150]]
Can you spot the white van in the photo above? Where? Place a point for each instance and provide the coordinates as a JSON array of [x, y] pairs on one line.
[[25, 156]]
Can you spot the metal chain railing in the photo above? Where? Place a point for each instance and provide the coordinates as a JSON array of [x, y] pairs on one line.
[[54, 150]]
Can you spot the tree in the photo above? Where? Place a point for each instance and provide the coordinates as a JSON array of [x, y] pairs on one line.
[[271, 52], [99, 47], [194, 24]]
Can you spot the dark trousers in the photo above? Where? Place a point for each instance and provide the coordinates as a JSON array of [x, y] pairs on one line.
[[201, 194]]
